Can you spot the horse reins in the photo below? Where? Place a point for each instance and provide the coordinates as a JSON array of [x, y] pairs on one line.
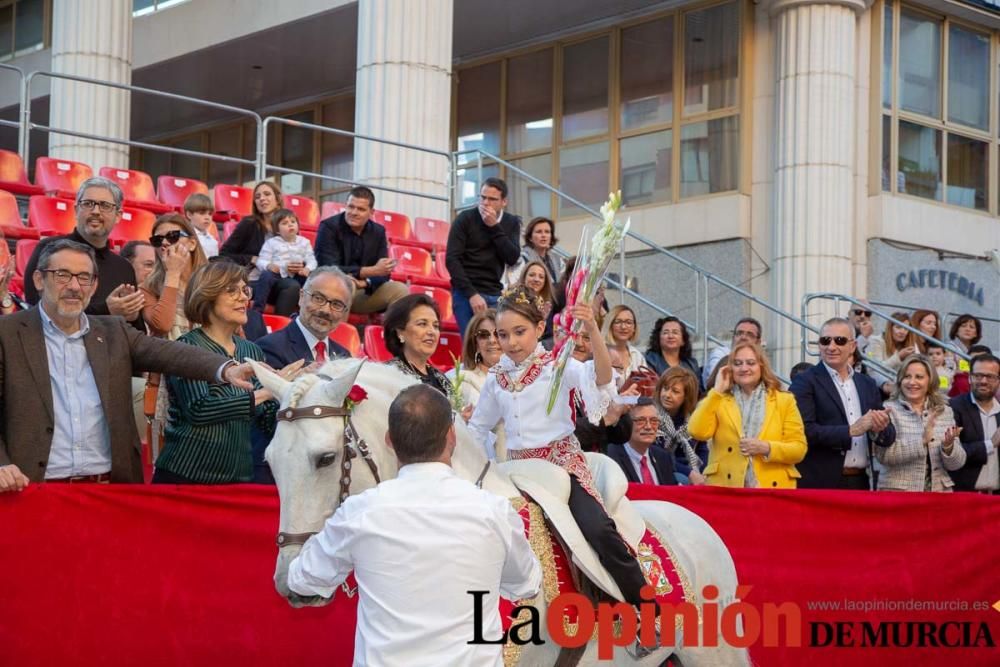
[[352, 442]]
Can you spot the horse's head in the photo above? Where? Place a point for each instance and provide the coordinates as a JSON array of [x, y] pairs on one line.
[[314, 455]]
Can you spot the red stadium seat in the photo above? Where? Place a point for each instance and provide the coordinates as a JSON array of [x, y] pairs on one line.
[[415, 267], [22, 253], [375, 347], [331, 208], [13, 177], [305, 209], [449, 344], [51, 215], [173, 191], [310, 234], [136, 225], [228, 228], [347, 335], [62, 177], [276, 322], [10, 219], [442, 298], [397, 226], [232, 202], [430, 233], [441, 266], [137, 187]]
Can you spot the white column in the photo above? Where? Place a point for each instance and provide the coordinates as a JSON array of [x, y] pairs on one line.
[[91, 38], [815, 146], [403, 93]]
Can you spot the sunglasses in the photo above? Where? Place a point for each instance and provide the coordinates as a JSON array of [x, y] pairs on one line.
[[483, 334], [862, 313], [841, 341], [171, 237]]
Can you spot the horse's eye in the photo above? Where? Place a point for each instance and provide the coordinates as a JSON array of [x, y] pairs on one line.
[[326, 460]]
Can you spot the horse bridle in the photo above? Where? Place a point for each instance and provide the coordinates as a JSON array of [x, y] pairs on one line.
[[352, 442]]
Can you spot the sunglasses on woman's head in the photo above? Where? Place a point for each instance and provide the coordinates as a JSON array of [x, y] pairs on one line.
[[171, 237]]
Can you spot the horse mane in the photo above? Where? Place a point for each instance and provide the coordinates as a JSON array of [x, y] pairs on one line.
[[373, 377]]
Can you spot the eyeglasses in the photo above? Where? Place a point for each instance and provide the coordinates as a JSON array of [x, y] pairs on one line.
[[62, 276], [623, 323], [90, 205], [484, 334], [984, 377], [239, 292], [862, 313], [650, 421], [171, 237], [749, 363], [318, 301], [745, 333], [841, 341]]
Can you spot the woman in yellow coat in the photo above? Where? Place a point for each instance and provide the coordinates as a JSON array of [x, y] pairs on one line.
[[755, 429]]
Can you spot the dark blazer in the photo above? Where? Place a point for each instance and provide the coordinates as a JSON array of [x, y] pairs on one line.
[[288, 344], [245, 242], [827, 429], [116, 352], [334, 242], [973, 441], [661, 461]]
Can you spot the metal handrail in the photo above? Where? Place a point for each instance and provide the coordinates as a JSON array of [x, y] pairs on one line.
[[19, 123], [950, 314], [266, 166], [27, 125]]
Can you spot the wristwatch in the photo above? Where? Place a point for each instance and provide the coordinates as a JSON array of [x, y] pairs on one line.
[[7, 302]]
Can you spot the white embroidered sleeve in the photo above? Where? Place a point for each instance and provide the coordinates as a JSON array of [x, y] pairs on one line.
[[596, 399], [485, 417]]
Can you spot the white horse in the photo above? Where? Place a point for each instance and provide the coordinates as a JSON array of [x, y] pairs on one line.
[[307, 458]]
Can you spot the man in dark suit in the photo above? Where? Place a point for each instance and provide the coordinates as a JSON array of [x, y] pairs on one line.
[[66, 378], [843, 415], [639, 460], [978, 414], [357, 245]]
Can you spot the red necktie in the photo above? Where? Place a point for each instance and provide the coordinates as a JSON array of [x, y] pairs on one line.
[[319, 352], [647, 476]]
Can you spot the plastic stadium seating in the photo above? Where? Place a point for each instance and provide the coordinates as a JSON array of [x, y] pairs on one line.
[[232, 202], [13, 177], [442, 298], [173, 190], [347, 335], [449, 344], [10, 219], [137, 187], [136, 225], [311, 235], [62, 177], [22, 253], [276, 322], [227, 229], [375, 347], [430, 233], [51, 215], [441, 266], [330, 208], [397, 226], [415, 267], [305, 209]]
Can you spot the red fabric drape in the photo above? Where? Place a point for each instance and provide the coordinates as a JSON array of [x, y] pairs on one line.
[[139, 575]]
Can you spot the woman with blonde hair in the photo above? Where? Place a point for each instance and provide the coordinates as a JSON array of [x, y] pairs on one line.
[[756, 430], [925, 448], [622, 333], [536, 278], [895, 345]]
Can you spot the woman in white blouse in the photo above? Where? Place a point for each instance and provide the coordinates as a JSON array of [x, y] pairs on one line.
[[926, 446]]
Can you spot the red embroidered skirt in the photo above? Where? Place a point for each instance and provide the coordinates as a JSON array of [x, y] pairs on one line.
[[567, 454]]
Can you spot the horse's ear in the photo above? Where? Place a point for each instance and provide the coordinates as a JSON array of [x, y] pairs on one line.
[[338, 388], [271, 380]]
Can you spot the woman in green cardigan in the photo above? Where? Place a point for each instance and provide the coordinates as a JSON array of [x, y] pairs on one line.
[[207, 438]]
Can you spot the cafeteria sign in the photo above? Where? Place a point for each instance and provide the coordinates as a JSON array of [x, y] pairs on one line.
[[939, 279]]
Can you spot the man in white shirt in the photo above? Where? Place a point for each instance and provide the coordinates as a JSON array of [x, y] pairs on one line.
[[418, 545]]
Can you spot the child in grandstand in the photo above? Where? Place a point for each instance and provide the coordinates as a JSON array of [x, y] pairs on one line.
[[198, 210], [284, 255]]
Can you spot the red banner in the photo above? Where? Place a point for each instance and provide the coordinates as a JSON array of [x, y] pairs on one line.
[[126, 575]]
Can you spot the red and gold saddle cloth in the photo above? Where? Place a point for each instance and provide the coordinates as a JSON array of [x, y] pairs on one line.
[[566, 454], [655, 556]]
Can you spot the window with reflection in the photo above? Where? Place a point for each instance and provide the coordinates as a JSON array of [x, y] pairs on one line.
[[968, 77], [478, 117], [920, 64], [711, 58], [585, 89], [583, 175], [297, 153], [968, 167], [645, 163], [337, 158], [529, 102], [647, 56], [532, 199], [919, 160], [709, 156]]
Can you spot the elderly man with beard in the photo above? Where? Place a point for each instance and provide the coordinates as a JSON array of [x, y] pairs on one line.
[[65, 379], [98, 210]]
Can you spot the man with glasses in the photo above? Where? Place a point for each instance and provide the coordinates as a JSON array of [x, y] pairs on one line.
[[978, 415], [639, 460], [843, 415], [861, 320], [747, 330], [65, 379], [98, 210], [482, 242]]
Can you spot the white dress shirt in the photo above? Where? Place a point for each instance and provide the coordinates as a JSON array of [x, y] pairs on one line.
[[989, 479], [636, 459], [417, 545], [208, 243], [81, 442], [857, 457]]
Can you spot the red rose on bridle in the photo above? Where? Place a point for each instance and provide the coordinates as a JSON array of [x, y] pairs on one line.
[[356, 395]]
